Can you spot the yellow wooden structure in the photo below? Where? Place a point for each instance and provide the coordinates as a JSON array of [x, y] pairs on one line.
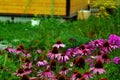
[[67, 8]]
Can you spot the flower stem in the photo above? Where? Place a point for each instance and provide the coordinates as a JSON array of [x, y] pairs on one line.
[[5, 59]]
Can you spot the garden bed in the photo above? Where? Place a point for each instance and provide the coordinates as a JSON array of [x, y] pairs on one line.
[[31, 52]]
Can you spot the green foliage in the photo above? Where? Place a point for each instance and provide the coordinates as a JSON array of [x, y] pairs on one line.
[[72, 33]]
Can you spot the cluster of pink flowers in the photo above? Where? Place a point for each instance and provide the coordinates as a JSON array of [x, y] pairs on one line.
[[95, 53]]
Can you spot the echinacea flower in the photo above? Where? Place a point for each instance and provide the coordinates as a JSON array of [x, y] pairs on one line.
[[98, 68], [106, 47], [76, 76], [104, 58], [95, 44], [88, 75], [27, 65], [71, 53], [19, 49], [26, 54], [27, 71], [116, 60], [40, 74], [53, 54], [10, 49], [79, 62], [62, 58], [98, 42], [49, 74], [19, 72], [82, 50], [42, 62], [64, 70], [59, 44], [82, 47]]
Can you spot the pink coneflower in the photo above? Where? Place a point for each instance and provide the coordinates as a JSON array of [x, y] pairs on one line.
[[82, 50], [95, 44], [19, 72], [98, 68], [19, 49], [26, 54], [10, 49], [88, 75], [76, 75], [40, 74], [63, 58], [59, 44], [79, 62], [82, 47], [116, 60], [27, 71], [104, 58], [98, 43], [53, 54], [106, 47], [64, 70], [49, 74], [17, 52], [27, 65], [42, 62], [71, 52]]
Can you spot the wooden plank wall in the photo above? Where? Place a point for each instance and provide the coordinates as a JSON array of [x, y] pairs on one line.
[[47, 7], [77, 5]]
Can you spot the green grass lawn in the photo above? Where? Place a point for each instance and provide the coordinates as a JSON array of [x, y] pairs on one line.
[[51, 30], [71, 32]]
